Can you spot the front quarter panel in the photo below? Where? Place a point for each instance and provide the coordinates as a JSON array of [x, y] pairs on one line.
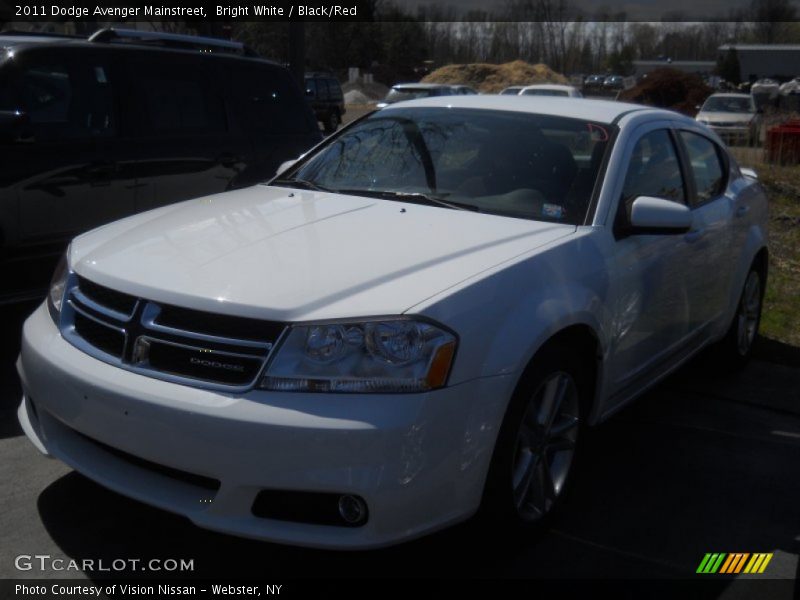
[[503, 317]]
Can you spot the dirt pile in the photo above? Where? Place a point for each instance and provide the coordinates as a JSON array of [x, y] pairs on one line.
[[669, 88], [364, 93], [491, 79]]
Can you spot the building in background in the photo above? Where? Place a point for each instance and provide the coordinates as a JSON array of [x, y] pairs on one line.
[[756, 61]]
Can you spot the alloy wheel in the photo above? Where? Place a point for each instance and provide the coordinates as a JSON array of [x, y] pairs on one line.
[[748, 315], [545, 446]]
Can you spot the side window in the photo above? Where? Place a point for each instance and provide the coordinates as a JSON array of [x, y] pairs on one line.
[[268, 101], [178, 100], [654, 170], [707, 168], [322, 89], [67, 101], [334, 89]]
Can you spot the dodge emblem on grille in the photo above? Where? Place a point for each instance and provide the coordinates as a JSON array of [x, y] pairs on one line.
[[214, 364]]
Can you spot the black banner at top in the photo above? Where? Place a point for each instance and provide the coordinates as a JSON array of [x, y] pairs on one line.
[[126, 11]]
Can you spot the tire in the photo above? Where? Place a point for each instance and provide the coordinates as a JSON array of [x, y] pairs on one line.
[[532, 461], [332, 122], [734, 351]]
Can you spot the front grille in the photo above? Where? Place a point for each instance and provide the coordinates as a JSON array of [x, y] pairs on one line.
[[166, 341], [199, 364], [122, 303], [219, 325], [107, 339]]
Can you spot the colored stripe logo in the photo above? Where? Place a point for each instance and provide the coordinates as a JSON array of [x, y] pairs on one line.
[[734, 563]]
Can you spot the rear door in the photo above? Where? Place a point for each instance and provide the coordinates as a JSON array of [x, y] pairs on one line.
[[711, 236]]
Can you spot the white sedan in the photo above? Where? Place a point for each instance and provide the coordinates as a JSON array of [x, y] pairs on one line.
[[413, 323], [551, 89]]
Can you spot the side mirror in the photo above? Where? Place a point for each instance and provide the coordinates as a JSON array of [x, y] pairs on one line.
[[658, 216], [285, 166], [15, 127]]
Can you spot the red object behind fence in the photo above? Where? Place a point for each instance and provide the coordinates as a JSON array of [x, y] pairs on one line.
[[783, 143]]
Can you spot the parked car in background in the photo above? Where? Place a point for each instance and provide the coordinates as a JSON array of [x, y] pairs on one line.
[[614, 82], [324, 93], [463, 90], [513, 90], [414, 322], [92, 130], [594, 82], [412, 91], [551, 89], [734, 117]]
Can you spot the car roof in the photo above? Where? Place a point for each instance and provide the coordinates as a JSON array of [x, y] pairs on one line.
[[20, 42], [549, 86], [730, 95], [420, 86], [601, 111]]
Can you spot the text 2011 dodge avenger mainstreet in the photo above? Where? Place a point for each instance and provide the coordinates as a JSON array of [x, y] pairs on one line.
[[415, 320]]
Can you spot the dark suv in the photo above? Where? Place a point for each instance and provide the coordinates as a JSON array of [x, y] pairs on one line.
[[325, 96], [92, 130]]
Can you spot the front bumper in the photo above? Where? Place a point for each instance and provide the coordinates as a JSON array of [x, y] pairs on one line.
[[418, 460], [734, 134]]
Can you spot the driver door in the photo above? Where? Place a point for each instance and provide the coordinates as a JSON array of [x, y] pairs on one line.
[[651, 310]]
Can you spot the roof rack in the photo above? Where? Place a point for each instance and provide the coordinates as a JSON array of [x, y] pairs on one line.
[[45, 34], [171, 40]]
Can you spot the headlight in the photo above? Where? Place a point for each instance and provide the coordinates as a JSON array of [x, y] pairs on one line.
[[393, 355], [55, 295]]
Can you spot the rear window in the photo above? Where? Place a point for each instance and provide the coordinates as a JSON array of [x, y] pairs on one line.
[[63, 100]]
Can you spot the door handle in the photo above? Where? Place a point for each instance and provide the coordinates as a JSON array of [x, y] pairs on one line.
[[694, 235], [742, 210], [227, 159]]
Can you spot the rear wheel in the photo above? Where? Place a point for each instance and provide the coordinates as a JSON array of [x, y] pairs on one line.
[[538, 445], [736, 347]]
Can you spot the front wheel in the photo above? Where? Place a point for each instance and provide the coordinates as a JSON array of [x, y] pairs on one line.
[[537, 445], [332, 122]]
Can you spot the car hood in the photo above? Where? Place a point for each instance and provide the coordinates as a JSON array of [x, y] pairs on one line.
[[282, 254], [726, 117]]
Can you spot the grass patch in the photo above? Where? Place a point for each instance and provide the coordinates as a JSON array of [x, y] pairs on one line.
[[781, 316]]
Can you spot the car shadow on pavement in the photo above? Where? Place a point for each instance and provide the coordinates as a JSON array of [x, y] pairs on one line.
[[667, 480], [10, 391]]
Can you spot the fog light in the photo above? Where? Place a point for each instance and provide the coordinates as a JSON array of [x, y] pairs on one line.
[[352, 509]]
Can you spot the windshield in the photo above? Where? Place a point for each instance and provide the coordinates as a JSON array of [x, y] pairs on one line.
[[735, 104], [396, 95], [545, 92], [507, 163]]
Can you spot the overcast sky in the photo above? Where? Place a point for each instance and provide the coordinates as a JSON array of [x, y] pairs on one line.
[[642, 10]]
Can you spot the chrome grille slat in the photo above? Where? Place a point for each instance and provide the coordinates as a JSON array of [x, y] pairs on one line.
[[197, 358]]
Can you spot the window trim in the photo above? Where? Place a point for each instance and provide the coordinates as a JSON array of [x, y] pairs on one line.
[[722, 157], [619, 227]]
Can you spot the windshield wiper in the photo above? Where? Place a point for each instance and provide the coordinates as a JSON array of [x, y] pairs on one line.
[[301, 183], [416, 197]]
